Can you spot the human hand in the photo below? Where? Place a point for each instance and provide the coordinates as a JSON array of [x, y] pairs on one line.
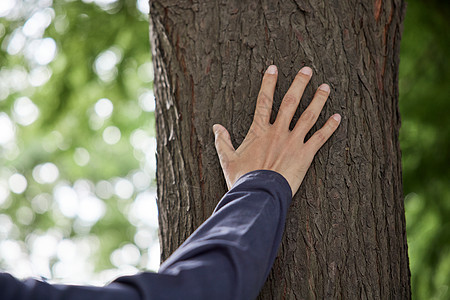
[[273, 146]]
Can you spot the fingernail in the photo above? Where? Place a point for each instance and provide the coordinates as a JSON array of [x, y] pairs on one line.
[[215, 128], [325, 87], [272, 69], [306, 71], [337, 117]]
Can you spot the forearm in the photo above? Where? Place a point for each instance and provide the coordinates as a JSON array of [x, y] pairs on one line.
[[227, 257], [230, 255], [14, 289]]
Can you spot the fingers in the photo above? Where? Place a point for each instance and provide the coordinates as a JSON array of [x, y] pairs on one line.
[[292, 98], [265, 97], [310, 115], [223, 144], [323, 134]]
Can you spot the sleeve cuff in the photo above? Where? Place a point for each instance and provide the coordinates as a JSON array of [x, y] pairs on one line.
[[267, 178]]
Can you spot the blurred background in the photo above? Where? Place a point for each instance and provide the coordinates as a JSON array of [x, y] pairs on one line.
[[77, 141]]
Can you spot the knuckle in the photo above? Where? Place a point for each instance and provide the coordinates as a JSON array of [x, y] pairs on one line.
[[259, 120], [264, 101], [290, 100], [308, 116], [321, 137], [254, 130]]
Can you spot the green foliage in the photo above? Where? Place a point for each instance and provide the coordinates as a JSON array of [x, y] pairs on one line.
[[425, 143], [102, 159]]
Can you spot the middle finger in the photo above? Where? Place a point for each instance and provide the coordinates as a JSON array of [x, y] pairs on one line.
[[292, 98]]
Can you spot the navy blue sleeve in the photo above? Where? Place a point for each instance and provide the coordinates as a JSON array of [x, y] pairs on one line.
[[228, 257], [13, 289]]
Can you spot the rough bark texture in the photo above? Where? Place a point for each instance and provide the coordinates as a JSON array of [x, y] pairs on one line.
[[345, 233]]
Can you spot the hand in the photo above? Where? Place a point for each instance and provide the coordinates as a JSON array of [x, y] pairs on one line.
[[273, 146]]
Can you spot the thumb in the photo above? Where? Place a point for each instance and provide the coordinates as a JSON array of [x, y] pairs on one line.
[[223, 143]]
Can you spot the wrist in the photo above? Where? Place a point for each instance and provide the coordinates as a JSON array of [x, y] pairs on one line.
[[265, 175]]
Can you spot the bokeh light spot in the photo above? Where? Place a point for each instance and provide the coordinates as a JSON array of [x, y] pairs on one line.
[[6, 6], [129, 254], [104, 108], [123, 188], [105, 63], [17, 183], [67, 200], [81, 156], [7, 132], [16, 42], [111, 135], [35, 26], [25, 111], [25, 215], [45, 173], [4, 192], [104, 189], [39, 75], [41, 203], [147, 101], [144, 210], [91, 210], [145, 72], [42, 51]]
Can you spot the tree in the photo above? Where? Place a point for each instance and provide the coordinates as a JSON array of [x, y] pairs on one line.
[[345, 233]]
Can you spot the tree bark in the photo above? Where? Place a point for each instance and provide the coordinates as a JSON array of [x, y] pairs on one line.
[[345, 232]]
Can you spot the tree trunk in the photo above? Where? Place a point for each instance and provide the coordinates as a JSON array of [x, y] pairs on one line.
[[345, 232]]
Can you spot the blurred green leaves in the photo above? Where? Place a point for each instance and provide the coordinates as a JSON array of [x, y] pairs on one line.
[[78, 149], [425, 143]]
